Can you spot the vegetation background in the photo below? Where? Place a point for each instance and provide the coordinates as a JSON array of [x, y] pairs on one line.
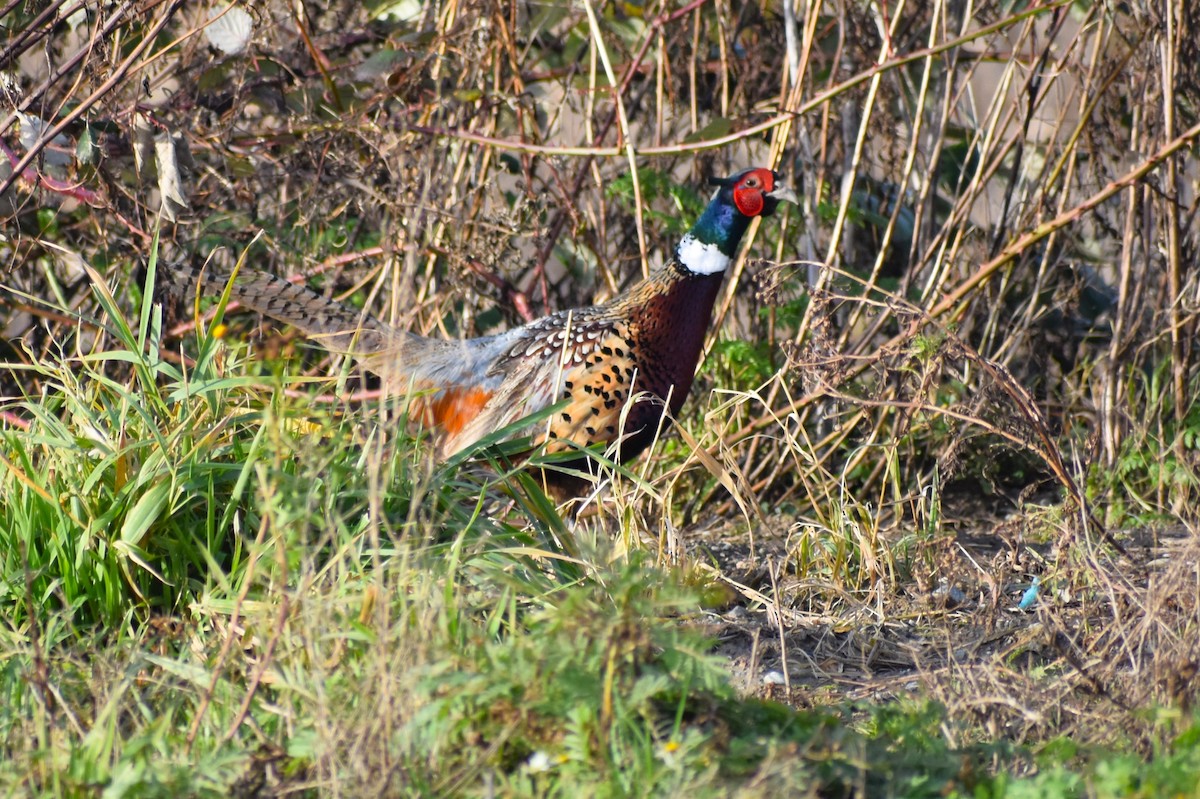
[[926, 527]]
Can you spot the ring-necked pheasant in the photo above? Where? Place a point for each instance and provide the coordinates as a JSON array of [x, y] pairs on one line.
[[617, 365]]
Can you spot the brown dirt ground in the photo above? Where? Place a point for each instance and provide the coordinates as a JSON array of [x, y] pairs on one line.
[[1108, 633]]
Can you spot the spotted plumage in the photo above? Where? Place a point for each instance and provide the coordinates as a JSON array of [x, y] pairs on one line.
[[616, 366]]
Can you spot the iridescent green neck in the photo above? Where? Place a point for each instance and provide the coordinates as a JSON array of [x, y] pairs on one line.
[[709, 247]]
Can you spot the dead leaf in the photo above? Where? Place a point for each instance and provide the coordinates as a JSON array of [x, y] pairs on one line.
[[169, 183]]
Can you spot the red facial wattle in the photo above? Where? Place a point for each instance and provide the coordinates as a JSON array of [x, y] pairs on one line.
[[748, 194], [748, 200]]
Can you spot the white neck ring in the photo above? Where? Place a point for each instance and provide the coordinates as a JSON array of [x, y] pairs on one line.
[[699, 257]]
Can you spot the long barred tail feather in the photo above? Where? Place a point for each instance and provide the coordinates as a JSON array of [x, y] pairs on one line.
[[331, 324], [404, 360]]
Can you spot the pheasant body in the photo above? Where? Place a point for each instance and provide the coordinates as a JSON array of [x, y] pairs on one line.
[[617, 366]]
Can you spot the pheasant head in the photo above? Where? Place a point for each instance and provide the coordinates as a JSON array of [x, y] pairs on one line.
[[709, 247]]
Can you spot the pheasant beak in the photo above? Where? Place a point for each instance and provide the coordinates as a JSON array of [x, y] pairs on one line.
[[785, 194]]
